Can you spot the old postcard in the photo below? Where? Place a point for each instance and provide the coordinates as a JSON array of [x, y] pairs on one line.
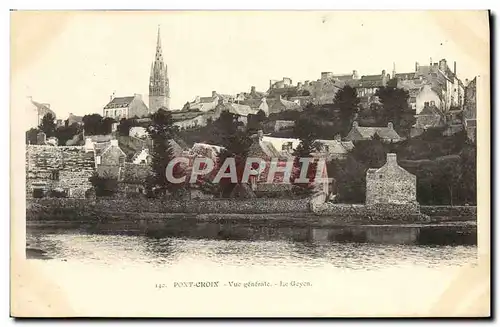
[[250, 164]]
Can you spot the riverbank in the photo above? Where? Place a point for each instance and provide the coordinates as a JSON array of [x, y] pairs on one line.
[[128, 214]]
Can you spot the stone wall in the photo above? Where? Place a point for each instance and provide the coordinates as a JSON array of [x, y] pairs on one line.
[[375, 212], [203, 206], [66, 167], [456, 211]]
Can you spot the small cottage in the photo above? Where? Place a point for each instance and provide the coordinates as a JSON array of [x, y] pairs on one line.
[[390, 184]]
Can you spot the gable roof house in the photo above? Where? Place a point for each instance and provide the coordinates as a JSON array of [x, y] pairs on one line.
[[430, 116], [391, 184], [110, 160], [333, 149], [279, 104], [360, 133], [125, 107], [209, 103]]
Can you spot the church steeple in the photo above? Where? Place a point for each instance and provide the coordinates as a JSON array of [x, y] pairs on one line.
[[159, 89]]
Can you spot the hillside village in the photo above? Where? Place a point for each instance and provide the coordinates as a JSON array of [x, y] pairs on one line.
[[427, 117]]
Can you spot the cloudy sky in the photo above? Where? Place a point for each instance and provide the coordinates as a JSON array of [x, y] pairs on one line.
[[75, 61]]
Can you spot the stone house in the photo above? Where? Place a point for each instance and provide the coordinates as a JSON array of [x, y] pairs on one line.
[[198, 120], [333, 149], [110, 160], [125, 107], [285, 146], [72, 119], [430, 116], [391, 184], [209, 103], [63, 168], [142, 157], [240, 110], [360, 133], [279, 104], [283, 124], [470, 109]]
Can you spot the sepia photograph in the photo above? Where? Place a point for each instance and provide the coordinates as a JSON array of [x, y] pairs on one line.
[[250, 163]]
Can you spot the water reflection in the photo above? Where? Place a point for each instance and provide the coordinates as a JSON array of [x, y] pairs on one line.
[[356, 247]]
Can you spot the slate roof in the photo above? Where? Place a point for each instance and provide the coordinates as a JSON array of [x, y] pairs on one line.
[[334, 146], [405, 76], [207, 99], [290, 105], [119, 102], [382, 132], [367, 83], [239, 109], [430, 110], [99, 147]]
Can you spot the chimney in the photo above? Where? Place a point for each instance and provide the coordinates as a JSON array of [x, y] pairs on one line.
[[416, 66], [383, 73], [260, 134], [337, 137], [41, 138], [114, 142], [354, 124], [430, 60], [442, 64], [390, 125], [252, 90], [426, 104], [355, 74], [138, 96], [392, 159], [433, 103], [214, 94], [270, 83], [455, 67]]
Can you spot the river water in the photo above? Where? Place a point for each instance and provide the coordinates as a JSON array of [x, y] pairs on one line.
[[374, 270]]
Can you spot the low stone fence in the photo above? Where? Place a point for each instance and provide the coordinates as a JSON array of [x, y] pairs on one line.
[[454, 211], [375, 212], [61, 206]]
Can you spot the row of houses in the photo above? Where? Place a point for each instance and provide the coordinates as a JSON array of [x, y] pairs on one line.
[[67, 169]]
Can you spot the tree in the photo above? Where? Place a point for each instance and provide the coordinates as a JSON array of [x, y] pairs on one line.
[[31, 136], [66, 133], [106, 125], [125, 125], [161, 130], [346, 102], [350, 179], [371, 153], [395, 108], [255, 121], [48, 125], [92, 124], [305, 130], [236, 142]]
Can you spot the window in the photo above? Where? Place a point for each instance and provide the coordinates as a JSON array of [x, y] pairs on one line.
[[98, 160], [55, 175]]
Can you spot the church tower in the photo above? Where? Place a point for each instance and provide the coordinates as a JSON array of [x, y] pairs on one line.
[[159, 88]]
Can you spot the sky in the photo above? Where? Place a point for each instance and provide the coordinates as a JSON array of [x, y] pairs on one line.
[[75, 60]]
